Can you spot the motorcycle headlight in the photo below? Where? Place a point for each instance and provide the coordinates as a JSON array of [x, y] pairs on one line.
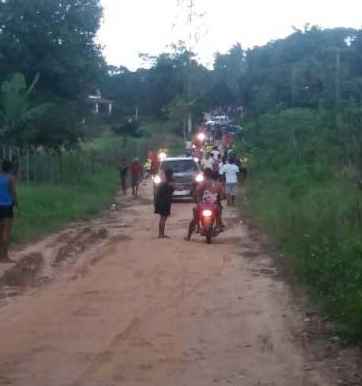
[[199, 178], [157, 180], [196, 160], [207, 213]]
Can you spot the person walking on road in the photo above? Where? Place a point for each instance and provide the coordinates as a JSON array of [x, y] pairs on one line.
[[123, 171], [163, 202], [215, 153], [207, 162], [230, 172], [8, 200], [136, 176]]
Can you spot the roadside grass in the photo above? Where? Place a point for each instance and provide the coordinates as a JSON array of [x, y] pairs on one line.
[[318, 223], [46, 208]]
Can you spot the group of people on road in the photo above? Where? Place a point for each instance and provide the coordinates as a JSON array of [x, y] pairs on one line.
[[221, 177], [132, 172], [225, 168]]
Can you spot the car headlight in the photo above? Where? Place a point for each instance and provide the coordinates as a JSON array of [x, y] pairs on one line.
[[157, 180], [200, 178]]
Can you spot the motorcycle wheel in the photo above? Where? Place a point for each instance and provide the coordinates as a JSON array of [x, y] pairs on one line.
[[209, 234]]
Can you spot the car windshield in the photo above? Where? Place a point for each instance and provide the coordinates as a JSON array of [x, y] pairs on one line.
[[180, 166]]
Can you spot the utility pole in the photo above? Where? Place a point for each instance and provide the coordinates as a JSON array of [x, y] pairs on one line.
[[338, 77], [191, 17], [189, 70], [294, 85], [338, 90], [338, 113]]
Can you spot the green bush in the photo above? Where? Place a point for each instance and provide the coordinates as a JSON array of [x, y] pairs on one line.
[[320, 225], [303, 194]]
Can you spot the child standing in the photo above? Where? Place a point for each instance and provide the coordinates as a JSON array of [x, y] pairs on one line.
[[163, 202]]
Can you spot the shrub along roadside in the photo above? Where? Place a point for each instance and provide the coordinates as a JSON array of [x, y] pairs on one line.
[[319, 224], [304, 191], [46, 208]]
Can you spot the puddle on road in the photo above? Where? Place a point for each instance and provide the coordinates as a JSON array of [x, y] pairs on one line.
[[23, 275]]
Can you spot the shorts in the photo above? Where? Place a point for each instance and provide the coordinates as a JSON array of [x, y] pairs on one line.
[[231, 189], [135, 180], [163, 209], [6, 212]]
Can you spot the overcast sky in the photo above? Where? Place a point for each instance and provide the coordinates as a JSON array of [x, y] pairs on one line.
[[131, 27]]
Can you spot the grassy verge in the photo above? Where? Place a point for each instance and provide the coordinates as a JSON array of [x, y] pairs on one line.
[[46, 208], [303, 191], [319, 224]]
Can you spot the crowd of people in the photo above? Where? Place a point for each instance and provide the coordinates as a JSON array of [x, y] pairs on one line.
[[222, 172], [226, 168], [221, 168]]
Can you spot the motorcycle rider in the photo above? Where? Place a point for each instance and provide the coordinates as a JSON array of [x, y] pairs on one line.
[[211, 191]]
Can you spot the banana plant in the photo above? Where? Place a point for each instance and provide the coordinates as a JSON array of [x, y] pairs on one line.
[[16, 109]]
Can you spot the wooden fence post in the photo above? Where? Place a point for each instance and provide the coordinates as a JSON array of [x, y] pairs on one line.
[[27, 165]]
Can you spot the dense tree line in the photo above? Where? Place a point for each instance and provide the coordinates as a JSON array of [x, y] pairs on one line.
[[52, 41], [309, 68]]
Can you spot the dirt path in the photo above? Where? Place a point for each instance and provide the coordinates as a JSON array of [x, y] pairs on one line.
[[108, 304]]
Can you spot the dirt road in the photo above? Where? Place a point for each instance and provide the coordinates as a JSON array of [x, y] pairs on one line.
[[106, 303]]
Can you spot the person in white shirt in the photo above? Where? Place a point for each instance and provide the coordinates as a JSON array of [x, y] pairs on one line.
[[230, 172]]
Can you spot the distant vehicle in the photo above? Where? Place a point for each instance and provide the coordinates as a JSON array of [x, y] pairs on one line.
[[235, 130], [186, 173], [222, 120], [210, 123]]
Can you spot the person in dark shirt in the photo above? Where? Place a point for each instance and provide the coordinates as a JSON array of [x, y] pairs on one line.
[[123, 171], [163, 202]]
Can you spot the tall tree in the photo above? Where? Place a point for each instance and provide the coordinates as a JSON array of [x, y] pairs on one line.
[[55, 38], [229, 71]]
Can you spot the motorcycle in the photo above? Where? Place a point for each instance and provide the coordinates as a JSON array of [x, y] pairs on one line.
[[207, 222]]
